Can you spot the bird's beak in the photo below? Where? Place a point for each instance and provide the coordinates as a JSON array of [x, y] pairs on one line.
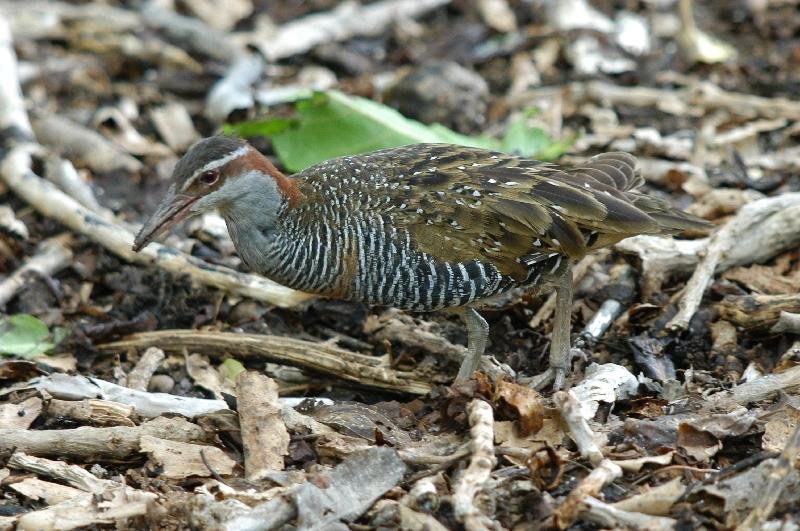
[[173, 209]]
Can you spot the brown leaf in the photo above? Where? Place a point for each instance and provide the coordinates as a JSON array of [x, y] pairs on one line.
[[526, 403]]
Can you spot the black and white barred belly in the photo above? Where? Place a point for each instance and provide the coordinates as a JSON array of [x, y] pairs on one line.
[[369, 260]]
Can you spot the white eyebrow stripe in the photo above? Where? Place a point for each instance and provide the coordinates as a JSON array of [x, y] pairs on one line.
[[216, 164]]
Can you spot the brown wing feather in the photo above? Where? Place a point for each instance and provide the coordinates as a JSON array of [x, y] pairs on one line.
[[461, 203]]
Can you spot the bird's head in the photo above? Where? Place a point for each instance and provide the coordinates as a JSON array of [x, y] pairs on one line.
[[223, 173]]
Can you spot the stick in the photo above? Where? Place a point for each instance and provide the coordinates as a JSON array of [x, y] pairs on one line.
[[770, 218], [570, 410], [347, 20], [611, 517], [98, 444], [52, 202], [264, 436], [148, 405], [140, 375], [768, 496], [481, 420], [591, 485], [322, 358], [52, 256], [694, 100], [787, 323]]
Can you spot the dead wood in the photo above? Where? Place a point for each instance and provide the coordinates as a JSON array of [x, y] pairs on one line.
[[144, 369], [570, 411], [771, 223], [264, 436], [78, 142], [769, 495], [760, 388], [787, 323], [147, 405], [88, 444], [481, 463], [53, 203], [612, 517], [180, 460], [604, 473], [695, 100], [757, 312], [92, 411], [52, 255], [322, 358], [346, 21]]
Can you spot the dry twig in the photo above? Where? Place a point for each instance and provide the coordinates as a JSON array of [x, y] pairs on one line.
[[483, 460], [569, 407], [317, 357], [772, 218], [140, 375], [53, 255], [264, 436]]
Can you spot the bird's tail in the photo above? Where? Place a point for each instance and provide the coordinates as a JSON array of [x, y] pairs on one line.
[[669, 219]]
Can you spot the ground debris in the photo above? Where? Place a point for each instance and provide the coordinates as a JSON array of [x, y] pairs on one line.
[[172, 389]]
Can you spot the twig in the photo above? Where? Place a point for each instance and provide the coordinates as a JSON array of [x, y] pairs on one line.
[[78, 142], [613, 518], [52, 256], [787, 323], [148, 405], [98, 444], [424, 496], [758, 312], [569, 407], [772, 218], [233, 91], [605, 472], [264, 436], [63, 174], [398, 327], [771, 492], [71, 474], [695, 100], [349, 490], [347, 20], [483, 460], [758, 389], [140, 375], [92, 411], [323, 358], [190, 32]]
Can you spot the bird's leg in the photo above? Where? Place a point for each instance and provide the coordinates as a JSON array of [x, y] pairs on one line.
[[560, 339], [477, 334]]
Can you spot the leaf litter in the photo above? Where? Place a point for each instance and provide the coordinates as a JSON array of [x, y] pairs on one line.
[[670, 423]]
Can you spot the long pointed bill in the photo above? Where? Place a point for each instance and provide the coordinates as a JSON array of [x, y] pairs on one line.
[[173, 209]]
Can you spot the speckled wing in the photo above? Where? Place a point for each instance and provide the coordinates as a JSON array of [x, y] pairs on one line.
[[461, 203]]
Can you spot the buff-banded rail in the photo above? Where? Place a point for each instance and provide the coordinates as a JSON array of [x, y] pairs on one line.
[[423, 227]]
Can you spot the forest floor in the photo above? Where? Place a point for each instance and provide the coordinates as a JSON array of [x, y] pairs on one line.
[[172, 389]]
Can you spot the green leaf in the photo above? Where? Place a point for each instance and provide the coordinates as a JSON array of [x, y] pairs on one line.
[[332, 124], [523, 139], [233, 368], [25, 336]]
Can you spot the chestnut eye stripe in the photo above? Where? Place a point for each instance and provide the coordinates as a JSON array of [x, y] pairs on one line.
[[213, 165]]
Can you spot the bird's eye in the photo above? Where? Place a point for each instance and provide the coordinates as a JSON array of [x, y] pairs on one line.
[[209, 177]]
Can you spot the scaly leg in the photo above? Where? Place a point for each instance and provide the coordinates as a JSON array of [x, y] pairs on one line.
[[477, 334], [560, 339]]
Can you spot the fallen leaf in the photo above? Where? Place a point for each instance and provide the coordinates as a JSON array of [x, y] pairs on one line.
[[525, 402]]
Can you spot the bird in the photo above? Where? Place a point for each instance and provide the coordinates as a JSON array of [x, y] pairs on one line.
[[422, 227]]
